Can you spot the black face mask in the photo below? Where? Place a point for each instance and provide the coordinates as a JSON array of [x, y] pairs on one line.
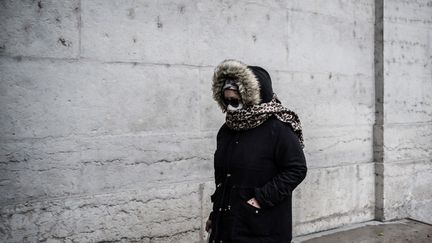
[[233, 104]]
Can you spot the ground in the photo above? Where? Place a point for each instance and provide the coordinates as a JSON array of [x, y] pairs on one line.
[[405, 230]]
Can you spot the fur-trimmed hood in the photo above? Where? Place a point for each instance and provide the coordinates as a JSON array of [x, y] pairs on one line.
[[243, 76], [255, 88]]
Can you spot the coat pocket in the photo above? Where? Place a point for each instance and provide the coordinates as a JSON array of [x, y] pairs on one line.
[[254, 221]]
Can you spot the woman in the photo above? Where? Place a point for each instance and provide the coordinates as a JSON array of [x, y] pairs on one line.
[[259, 159]]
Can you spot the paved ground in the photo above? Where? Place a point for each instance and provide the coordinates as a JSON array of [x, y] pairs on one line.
[[404, 230]]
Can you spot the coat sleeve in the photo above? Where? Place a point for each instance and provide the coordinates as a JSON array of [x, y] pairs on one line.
[[291, 163], [211, 216]]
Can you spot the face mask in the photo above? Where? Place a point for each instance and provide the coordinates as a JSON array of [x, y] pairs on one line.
[[232, 108], [233, 104]]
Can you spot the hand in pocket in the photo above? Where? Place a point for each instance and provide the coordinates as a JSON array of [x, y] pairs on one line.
[[254, 202]]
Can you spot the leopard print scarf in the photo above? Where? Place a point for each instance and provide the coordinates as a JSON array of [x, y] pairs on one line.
[[253, 116]]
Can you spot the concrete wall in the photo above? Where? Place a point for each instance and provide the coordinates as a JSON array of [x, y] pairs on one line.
[[407, 126], [108, 126]]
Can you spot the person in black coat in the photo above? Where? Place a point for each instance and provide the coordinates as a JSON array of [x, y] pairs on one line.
[[258, 161]]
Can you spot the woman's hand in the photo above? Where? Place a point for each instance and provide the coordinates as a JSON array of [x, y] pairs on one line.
[[254, 202], [208, 225]]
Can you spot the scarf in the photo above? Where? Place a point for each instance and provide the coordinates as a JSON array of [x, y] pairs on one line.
[[253, 116]]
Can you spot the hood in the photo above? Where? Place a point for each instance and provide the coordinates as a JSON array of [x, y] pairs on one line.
[[266, 90], [254, 82]]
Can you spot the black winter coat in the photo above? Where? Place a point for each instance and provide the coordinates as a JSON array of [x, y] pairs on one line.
[[265, 162]]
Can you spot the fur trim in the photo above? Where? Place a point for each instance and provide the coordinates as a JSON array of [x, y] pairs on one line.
[[244, 78]]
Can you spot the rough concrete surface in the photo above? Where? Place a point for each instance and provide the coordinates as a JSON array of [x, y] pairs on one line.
[[374, 232], [108, 127]]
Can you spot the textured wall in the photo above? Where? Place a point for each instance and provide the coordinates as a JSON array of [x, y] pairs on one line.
[[407, 110], [108, 127]]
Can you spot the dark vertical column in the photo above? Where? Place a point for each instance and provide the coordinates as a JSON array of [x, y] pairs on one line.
[[202, 216], [378, 128]]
